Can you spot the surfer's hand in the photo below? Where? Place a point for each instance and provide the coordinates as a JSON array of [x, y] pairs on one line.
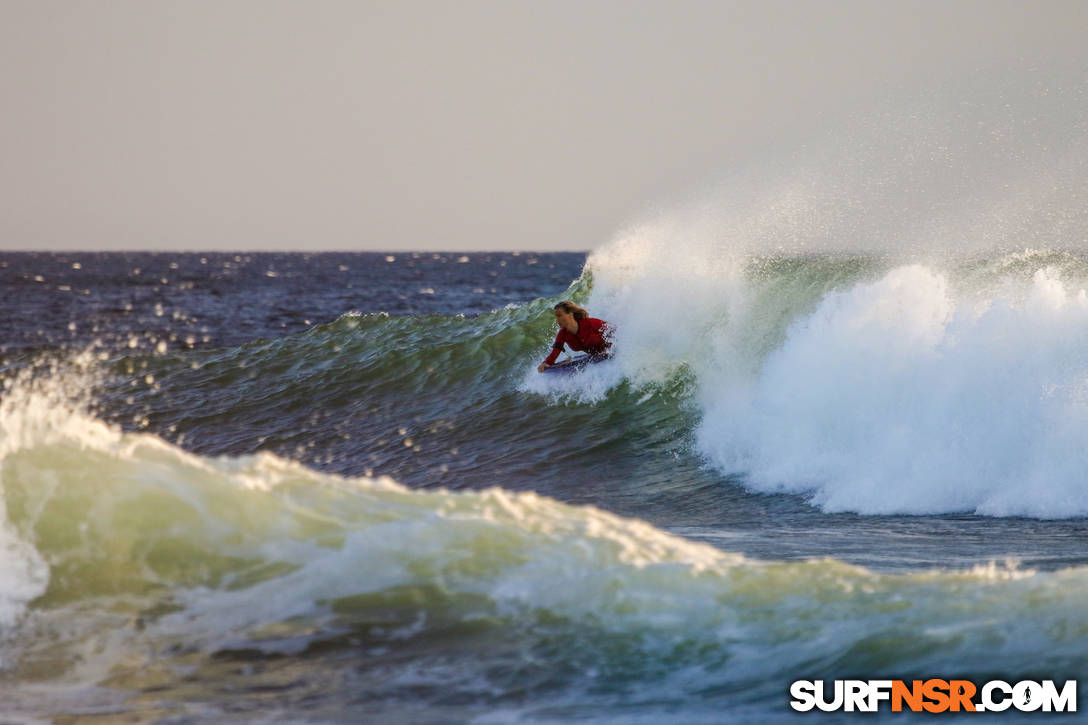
[[542, 367]]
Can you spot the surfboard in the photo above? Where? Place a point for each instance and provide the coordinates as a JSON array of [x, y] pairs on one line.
[[578, 363]]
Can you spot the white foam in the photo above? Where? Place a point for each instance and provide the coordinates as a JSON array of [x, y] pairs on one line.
[[24, 575], [900, 396], [36, 408]]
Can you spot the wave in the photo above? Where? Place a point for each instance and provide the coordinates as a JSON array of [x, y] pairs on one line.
[[867, 384], [131, 557], [863, 382], [354, 388]]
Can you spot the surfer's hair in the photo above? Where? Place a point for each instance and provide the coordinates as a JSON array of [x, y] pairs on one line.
[[572, 309]]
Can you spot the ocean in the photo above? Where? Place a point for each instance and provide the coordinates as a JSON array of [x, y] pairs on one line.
[[332, 487]]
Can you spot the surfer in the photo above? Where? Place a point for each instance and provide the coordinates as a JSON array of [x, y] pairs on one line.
[[577, 329]]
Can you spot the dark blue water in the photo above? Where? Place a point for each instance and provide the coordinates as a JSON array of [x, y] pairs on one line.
[[230, 299]]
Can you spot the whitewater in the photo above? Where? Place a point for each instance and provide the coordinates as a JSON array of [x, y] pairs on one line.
[[886, 389]]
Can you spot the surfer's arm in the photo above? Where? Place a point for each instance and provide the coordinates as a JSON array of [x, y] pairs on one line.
[[557, 347], [550, 360]]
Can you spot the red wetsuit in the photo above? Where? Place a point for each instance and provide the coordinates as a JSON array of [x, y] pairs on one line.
[[590, 338]]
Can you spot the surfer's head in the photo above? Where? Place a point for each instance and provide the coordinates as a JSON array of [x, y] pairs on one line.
[[567, 315], [569, 308]]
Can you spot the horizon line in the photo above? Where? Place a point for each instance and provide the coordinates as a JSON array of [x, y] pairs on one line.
[[293, 251]]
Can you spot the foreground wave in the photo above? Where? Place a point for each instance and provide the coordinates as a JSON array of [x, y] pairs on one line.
[[135, 572]]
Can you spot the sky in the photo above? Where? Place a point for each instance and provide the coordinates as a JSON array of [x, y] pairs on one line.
[[441, 125]]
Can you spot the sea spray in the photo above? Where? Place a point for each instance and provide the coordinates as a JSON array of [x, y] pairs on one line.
[[888, 321]]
